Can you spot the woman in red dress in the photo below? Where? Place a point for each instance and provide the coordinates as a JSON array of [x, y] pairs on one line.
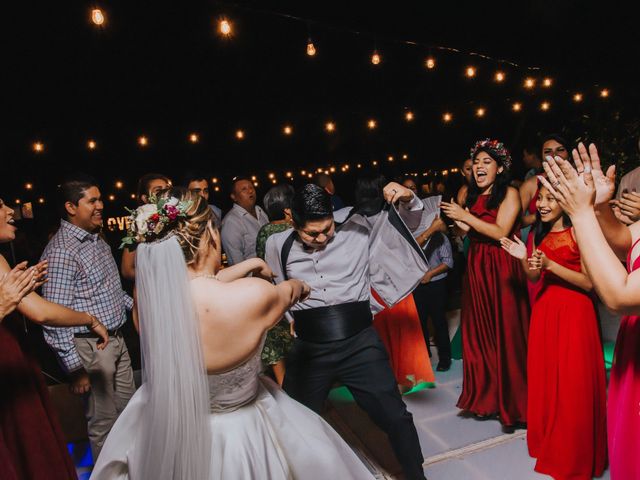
[[495, 309], [566, 374], [32, 446]]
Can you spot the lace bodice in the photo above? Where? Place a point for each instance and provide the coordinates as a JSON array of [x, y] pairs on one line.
[[237, 387]]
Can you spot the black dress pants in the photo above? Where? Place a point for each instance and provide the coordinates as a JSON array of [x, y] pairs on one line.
[[431, 301], [360, 363]]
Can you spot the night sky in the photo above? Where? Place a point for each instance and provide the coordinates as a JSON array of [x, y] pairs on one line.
[[161, 70]]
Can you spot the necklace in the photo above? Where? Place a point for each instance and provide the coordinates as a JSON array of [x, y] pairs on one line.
[[205, 275]]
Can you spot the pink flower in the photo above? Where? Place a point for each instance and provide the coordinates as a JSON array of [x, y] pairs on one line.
[[172, 211]]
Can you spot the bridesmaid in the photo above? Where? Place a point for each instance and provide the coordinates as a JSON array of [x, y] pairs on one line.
[[567, 387], [495, 309], [585, 194]]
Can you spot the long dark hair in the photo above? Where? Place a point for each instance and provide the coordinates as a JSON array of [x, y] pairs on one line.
[[500, 186], [369, 196]]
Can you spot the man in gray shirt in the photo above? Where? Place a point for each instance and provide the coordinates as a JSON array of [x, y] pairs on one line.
[[335, 338], [241, 225]]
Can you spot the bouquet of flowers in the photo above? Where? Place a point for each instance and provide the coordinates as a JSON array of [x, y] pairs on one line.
[[148, 222]]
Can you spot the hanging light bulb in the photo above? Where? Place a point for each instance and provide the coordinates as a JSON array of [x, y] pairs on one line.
[[516, 107], [38, 147], [604, 93], [480, 112], [529, 82], [287, 130], [119, 185], [193, 138], [408, 116], [41, 200], [390, 158], [224, 27], [544, 106], [311, 49], [91, 145], [376, 58], [577, 97], [470, 72], [28, 186], [547, 82], [112, 197], [499, 77], [430, 63], [372, 124], [143, 141], [240, 134], [405, 156], [330, 127], [97, 17], [447, 117]]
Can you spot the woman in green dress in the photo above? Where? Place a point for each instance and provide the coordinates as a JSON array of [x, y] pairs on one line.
[[277, 203]]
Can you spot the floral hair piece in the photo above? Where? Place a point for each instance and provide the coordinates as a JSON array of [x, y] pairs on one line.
[[148, 222], [495, 147]]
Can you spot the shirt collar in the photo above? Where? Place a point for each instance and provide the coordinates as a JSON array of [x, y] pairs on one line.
[[243, 212], [77, 232]]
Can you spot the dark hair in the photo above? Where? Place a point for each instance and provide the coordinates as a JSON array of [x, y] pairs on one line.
[[145, 181], [322, 179], [369, 197], [237, 179], [277, 199], [194, 176], [72, 190], [557, 138], [541, 229], [311, 202], [500, 186]]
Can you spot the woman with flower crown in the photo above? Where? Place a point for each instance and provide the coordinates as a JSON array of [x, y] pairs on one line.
[[203, 411], [495, 308]]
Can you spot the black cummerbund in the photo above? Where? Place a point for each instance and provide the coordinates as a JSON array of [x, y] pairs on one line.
[[333, 322]]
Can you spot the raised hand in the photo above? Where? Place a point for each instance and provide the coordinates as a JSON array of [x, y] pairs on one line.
[[394, 191], [514, 247], [589, 162], [15, 285], [575, 193], [629, 205], [454, 211]]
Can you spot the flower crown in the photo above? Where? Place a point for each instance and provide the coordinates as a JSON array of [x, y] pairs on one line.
[[496, 148], [149, 221]]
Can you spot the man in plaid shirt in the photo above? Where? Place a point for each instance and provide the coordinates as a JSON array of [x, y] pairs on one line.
[[83, 276]]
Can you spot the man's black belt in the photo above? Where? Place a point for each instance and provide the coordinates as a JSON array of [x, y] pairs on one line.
[[112, 333], [333, 322]]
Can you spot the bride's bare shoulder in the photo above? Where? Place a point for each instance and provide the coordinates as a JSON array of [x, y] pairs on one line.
[[242, 293]]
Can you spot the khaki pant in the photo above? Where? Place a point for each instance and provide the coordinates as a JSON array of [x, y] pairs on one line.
[[112, 386]]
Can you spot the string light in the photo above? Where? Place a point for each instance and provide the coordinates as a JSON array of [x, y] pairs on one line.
[[112, 197], [330, 127], [216, 188], [408, 116], [604, 93], [405, 156], [287, 130], [254, 178], [143, 141], [303, 172], [547, 82], [499, 77], [390, 158], [239, 134], [289, 174], [430, 63], [133, 196], [97, 17], [18, 202], [332, 169], [310, 175], [544, 106], [311, 49], [91, 145], [193, 138], [274, 181], [577, 97], [119, 184], [529, 82], [41, 200], [359, 165], [470, 72], [516, 107], [28, 186], [447, 117], [38, 147], [272, 176], [255, 184], [480, 112], [224, 27], [214, 180], [374, 163], [372, 124], [376, 58]]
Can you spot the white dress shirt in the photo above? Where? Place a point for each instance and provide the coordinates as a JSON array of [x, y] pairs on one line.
[[239, 233]]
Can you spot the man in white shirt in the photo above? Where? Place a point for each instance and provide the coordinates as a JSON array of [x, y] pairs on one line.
[[241, 224]]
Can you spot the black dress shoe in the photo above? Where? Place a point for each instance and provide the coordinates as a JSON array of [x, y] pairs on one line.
[[443, 366]]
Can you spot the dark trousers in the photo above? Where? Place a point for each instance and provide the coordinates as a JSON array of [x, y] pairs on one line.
[[362, 365], [431, 301]]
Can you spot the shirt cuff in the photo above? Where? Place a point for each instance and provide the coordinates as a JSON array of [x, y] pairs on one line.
[[413, 205]]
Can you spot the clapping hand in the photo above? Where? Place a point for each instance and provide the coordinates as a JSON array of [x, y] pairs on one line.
[[514, 247], [629, 205], [538, 261], [18, 283], [588, 163]]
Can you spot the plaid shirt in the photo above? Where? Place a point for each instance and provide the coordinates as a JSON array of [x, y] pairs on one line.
[[82, 276]]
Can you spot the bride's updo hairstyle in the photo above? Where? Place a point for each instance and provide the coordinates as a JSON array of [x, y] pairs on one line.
[[192, 229]]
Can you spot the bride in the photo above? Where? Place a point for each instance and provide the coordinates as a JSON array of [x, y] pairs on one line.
[[203, 411]]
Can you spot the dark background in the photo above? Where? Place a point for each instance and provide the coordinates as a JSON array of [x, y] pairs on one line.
[[160, 69]]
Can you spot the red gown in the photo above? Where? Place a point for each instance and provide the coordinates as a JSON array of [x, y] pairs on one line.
[[400, 330], [567, 430], [32, 446], [495, 324]]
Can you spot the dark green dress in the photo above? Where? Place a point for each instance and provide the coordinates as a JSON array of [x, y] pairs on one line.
[[279, 340]]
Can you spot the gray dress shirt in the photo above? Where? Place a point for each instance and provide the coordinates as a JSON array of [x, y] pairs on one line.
[[239, 233], [365, 251]]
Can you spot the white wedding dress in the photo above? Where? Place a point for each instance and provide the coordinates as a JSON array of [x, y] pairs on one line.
[[257, 432]]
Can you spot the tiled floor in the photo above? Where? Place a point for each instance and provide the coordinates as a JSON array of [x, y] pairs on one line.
[[454, 447]]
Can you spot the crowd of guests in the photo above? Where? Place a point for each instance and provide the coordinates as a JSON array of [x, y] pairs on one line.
[[538, 256]]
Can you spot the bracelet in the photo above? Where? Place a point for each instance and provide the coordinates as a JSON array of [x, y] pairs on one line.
[[94, 321]]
